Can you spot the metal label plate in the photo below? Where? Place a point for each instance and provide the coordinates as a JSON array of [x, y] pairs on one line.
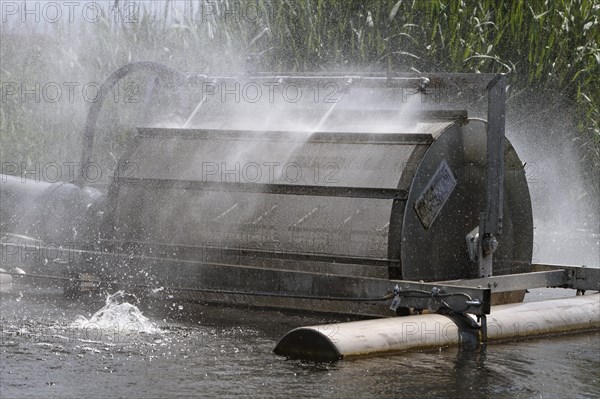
[[435, 195]]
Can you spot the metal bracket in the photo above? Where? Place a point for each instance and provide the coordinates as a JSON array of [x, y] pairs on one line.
[[473, 244], [441, 297]]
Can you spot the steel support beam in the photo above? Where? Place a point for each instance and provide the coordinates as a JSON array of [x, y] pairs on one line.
[[209, 251], [578, 277], [393, 80], [490, 224], [398, 138], [268, 188], [551, 276]]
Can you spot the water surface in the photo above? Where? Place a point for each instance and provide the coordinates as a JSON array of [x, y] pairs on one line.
[[48, 351]]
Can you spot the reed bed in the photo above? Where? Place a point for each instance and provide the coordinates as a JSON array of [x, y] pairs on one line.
[[550, 48]]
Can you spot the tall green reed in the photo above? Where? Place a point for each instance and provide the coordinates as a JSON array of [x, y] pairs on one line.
[[548, 47]]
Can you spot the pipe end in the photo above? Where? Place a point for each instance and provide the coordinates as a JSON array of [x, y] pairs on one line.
[[308, 343]]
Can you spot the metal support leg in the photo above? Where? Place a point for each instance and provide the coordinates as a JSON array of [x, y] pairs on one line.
[[484, 335]]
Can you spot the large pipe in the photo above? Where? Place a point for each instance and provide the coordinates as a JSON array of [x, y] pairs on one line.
[[51, 212], [333, 342]]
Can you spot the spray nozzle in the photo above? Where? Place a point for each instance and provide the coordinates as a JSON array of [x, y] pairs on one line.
[[423, 83], [349, 81]]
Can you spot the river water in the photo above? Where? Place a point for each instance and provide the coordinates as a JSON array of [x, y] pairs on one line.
[[56, 348]]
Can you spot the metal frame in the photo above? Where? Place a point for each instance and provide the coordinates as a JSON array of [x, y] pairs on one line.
[[491, 217], [490, 221], [324, 287], [189, 252], [417, 81], [471, 296], [490, 224], [544, 276]]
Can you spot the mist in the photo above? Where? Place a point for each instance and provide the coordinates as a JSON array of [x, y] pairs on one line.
[[298, 178], [51, 71]]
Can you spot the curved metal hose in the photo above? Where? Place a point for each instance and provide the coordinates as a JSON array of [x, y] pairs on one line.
[[162, 71]]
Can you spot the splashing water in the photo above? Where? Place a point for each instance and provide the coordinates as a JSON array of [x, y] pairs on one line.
[[118, 314], [194, 112], [325, 117]]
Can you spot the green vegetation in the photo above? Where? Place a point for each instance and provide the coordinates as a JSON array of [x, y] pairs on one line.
[[550, 48]]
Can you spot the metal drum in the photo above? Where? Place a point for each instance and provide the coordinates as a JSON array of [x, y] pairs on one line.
[[396, 204]]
